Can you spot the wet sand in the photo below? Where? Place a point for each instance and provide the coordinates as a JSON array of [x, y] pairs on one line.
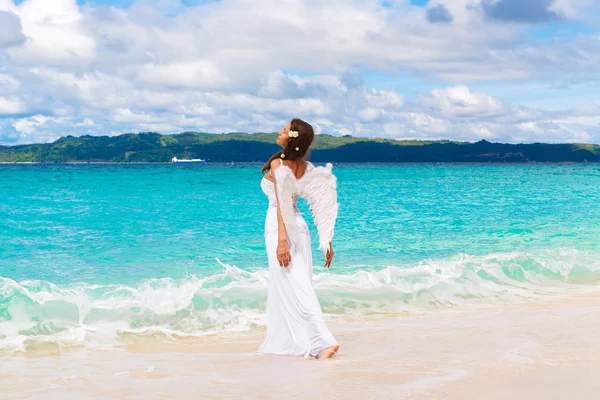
[[535, 351]]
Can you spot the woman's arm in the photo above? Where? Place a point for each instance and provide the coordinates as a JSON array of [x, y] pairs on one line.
[[329, 256], [283, 251]]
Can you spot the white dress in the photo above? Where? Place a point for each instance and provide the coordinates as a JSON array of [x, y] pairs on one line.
[[295, 324]]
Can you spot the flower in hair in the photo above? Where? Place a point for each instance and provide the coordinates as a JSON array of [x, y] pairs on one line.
[[293, 133], [297, 148], [282, 155]]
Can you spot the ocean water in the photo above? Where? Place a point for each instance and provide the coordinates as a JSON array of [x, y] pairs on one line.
[[96, 254]]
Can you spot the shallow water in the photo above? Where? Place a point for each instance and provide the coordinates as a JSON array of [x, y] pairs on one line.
[[89, 253]]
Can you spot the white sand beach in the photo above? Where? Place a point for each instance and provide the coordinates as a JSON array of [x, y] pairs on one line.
[[533, 351]]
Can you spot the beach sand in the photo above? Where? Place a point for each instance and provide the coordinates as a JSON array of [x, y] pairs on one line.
[[534, 351]]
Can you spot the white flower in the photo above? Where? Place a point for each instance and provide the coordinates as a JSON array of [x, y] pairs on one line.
[[297, 148], [293, 133], [282, 155]]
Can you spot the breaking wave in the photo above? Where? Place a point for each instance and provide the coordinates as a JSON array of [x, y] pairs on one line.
[[34, 312]]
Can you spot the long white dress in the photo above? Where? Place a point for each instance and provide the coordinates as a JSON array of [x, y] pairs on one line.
[[295, 324]]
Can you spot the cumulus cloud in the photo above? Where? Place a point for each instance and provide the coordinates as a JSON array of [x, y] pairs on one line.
[[534, 11], [11, 33], [439, 14], [201, 74], [161, 66], [55, 34], [11, 105], [8, 84], [460, 102], [586, 10]]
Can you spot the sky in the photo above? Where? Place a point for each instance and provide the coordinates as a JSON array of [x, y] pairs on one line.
[[515, 71]]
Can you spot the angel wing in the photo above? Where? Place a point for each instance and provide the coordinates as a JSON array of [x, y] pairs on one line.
[[319, 188], [285, 181]]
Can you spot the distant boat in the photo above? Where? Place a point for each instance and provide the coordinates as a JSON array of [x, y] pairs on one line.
[[192, 161]]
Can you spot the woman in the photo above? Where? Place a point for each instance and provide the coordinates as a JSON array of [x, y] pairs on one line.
[[295, 324]]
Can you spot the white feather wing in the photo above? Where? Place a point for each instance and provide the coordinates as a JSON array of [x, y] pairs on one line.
[[319, 188]]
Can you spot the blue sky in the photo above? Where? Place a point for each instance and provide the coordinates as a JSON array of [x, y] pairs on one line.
[[501, 70]]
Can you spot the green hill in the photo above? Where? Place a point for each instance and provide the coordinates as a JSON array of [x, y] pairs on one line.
[[239, 147]]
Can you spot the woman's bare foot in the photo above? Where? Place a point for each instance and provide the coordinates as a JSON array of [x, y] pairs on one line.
[[328, 352]]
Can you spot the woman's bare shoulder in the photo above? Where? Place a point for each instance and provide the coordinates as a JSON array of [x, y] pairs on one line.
[[299, 167], [275, 163], [295, 163]]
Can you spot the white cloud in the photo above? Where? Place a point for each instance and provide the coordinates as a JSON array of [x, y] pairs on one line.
[[98, 70], [201, 74], [11, 33], [572, 9], [458, 101], [384, 99], [11, 105], [27, 125], [56, 34], [420, 122], [126, 116], [446, 113], [8, 83], [85, 122], [369, 114]]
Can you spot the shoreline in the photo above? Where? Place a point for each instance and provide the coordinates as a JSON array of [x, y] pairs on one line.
[[524, 351], [403, 163]]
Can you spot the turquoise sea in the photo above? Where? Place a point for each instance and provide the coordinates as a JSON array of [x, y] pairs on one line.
[[93, 254]]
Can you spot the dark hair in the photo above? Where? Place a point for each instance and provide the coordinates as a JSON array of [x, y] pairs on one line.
[[306, 135]]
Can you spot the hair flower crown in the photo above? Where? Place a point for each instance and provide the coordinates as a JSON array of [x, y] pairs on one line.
[[293, 133]]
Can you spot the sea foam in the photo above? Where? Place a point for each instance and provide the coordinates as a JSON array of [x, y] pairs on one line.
[[34, 312]]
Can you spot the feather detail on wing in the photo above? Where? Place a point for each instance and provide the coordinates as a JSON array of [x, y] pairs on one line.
[[319, 188], [286, 187]]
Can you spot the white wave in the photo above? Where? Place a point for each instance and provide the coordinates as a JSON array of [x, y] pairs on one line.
[[97, 315]]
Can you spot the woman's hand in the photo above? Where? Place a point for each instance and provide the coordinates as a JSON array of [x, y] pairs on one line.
[[329, 256], [283, 253]]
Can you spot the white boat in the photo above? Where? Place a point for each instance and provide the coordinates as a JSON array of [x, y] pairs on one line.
[[192, 161]]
